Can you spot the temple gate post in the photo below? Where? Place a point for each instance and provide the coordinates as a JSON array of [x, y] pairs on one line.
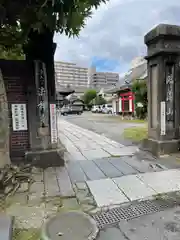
[[44, 143], [163, 48]]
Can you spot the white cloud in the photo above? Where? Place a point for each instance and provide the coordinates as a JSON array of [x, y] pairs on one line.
[[116, 31]]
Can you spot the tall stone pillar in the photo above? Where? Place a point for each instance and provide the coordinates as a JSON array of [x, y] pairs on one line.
[[163, 43], [45, 150]]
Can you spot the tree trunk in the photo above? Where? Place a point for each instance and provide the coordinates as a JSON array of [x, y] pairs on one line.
[[4, 125]]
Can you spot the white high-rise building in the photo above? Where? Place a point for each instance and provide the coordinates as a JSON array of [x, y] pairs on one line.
[[69, 74], [100, 80], [80, 78]]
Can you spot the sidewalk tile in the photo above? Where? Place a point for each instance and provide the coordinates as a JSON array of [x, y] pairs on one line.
[[141, 166], [64, 182], [134, 188], [122, 166], [111, 233], [91, 170], [161, 182], [95, 154], [109, 170], [106, 192], [75, 172]]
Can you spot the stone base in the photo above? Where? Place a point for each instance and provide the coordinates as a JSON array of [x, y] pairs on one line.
[[158, 148], [46, 158], [6, 227]]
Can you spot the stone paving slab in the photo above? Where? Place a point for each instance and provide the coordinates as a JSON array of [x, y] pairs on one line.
[[75, 172], [159, 226], [64, 182], [91, 170], [122, 166], [111, 233], [106, 192], [85, 145], [141, 166], [77, 156], [88, 144], [37, 187], [107, 168], [91, 145], [50, 183], [95, 153], [134, 188], [162, 182], [114, 151], [123, 151]]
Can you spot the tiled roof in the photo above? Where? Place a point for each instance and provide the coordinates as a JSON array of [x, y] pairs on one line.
[[60, 88], [139, 72], [136, 73]]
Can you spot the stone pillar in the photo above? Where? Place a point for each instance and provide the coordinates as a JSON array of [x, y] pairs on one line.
[[45, 150], [163, 43], [4, 125]]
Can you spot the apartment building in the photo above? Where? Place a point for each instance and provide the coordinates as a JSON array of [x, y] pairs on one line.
[[100, 80], [80, 78], [69, 74]]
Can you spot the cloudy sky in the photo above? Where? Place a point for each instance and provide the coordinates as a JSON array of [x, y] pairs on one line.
[[115, 33]]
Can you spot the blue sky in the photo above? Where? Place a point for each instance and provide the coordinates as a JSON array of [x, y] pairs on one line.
[[104, 64], [114, 35]]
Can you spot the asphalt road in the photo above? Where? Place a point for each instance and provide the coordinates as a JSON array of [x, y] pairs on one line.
[[107, 125]]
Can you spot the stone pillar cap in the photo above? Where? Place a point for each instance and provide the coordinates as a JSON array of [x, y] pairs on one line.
[[162, 30]]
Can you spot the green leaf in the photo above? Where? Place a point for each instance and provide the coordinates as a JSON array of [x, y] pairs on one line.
[[64, 16]]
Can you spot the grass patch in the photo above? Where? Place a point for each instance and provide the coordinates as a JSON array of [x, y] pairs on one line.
[[26, 234], [131, 120], [119, 118], [136, 134]]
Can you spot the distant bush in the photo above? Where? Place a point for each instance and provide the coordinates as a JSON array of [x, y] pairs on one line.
[[139, 87]]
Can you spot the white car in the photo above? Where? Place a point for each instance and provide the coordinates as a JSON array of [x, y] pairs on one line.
[[96, 109], [107, 108], [65, 110]]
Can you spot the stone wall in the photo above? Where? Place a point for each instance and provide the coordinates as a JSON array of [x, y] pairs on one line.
[[15, 83], [4, 125]]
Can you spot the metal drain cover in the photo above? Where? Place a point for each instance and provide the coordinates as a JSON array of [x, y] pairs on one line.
[[70, 225], [115, 215]]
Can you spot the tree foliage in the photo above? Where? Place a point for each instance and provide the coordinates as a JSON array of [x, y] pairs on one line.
[[14, 53], [99, 100], [18, 17], [88, 96], [139, 87]]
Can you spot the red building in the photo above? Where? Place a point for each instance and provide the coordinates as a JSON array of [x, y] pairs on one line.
[[123, 100]]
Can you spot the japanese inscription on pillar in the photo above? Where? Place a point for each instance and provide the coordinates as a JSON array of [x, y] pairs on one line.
[[170, 94], [41, 85], [154, 94], [163, 118]]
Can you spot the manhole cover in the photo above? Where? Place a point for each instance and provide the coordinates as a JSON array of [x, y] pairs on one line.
[[115, 215], [70, 226]]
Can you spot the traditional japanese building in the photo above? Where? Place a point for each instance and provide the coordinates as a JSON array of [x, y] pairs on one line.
[[123, 99]]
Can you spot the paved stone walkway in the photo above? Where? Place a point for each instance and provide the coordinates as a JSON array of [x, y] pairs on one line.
[[83, 144], [93, 178], [112, 172]]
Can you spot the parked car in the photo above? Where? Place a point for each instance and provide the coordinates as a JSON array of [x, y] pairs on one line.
[[76, 109], [96, 109], [71, 109], [107, 108], [65, 110]]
